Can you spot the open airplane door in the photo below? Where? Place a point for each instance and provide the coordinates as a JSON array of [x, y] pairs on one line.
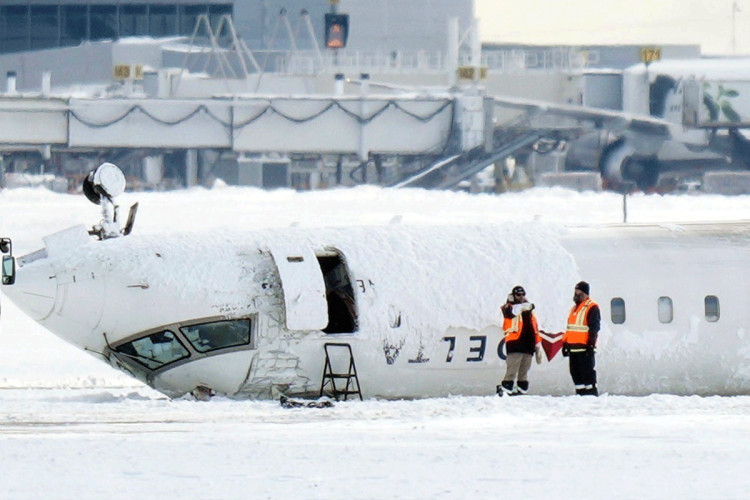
[[304, 288]]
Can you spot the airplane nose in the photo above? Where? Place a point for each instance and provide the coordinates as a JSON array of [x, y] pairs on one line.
[[35, 289], [69, 303]]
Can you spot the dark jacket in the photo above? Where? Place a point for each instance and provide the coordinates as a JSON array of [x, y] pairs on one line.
[[594, 320], [526, 343]]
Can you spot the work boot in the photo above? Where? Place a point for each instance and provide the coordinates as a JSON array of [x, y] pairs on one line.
[[588, 391], [523, 386], [505, 387]]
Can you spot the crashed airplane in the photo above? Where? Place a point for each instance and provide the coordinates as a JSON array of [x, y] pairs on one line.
[[391, 311]]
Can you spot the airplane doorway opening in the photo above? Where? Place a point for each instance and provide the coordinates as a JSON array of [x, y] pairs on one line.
[[342, 308]]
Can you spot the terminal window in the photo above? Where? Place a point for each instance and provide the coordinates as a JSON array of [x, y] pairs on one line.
[[73, 25], [102, 22], [133, 20], [162, 20], [45, 25], [189, 16], [14, 27]]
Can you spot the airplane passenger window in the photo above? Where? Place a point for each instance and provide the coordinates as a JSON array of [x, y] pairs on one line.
[[712, 308], [155, 350], [617, 308], [666, 312], [218, 334]]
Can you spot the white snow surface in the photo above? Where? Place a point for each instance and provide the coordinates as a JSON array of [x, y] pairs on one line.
[[72, 427]]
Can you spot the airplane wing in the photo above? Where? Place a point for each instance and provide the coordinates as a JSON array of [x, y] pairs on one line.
[[547, 114]]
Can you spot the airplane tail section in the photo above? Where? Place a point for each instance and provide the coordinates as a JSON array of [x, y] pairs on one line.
[[551, 343]]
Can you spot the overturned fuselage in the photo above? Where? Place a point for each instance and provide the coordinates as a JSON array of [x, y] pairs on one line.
[[248, 314]]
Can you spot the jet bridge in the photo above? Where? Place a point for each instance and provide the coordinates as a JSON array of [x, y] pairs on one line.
[[457, 134], [359, 125]]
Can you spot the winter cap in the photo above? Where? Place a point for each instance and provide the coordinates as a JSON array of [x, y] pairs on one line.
[[519, 289], [583, 286]]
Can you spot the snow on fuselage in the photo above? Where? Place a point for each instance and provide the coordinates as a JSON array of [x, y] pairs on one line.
[[247, 314]]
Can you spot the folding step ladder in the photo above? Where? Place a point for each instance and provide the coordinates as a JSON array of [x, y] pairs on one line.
[[328, 384]]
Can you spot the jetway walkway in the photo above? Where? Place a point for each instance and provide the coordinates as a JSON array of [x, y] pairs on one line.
[[357, 125], [452, 127]]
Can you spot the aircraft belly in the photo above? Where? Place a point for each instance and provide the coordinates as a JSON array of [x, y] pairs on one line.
[[428, 321]]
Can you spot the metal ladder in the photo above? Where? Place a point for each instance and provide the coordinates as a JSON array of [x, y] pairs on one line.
[[330, 377]]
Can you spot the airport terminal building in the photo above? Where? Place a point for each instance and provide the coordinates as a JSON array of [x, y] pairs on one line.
[[139, 54], [34, 25], [271, 102], [42, 24]]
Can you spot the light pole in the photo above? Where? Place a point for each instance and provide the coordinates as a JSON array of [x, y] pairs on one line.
[[735, 10]]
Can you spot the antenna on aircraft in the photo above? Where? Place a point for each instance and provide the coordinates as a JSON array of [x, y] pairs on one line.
[[101, 186]]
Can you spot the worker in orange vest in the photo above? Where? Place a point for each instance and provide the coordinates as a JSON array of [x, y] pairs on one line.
[[579, 341], [521, 342]]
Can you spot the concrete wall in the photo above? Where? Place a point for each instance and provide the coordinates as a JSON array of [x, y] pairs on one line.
[[393, 25], [726, 182], [89, 62]]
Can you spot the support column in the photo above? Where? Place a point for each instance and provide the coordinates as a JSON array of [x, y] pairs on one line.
[[364, 110], [191, 167]]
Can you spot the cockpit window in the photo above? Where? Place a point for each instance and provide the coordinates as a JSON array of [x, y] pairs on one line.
[[218, 334], [155, 350]]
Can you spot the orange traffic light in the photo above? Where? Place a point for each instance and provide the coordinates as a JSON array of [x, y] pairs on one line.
[[337, 30]]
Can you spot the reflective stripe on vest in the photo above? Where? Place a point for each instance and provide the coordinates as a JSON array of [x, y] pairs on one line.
[[512, 328], [578, 328]]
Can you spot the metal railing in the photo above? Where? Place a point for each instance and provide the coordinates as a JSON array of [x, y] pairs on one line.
[[310, 62]]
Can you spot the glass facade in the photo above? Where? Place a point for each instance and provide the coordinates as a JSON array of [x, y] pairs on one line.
[[133, 20], [40, 26], [14, 28], [73, 25]]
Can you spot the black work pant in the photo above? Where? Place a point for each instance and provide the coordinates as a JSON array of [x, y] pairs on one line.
[[582, 369]]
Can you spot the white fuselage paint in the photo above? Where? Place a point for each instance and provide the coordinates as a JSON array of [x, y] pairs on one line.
[[427, 302]]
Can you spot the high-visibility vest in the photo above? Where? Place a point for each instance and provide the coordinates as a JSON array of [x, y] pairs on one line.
[[578, 328], [512, 328]]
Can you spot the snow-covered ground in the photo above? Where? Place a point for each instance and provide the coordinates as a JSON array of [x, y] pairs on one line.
[[71, 427]]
